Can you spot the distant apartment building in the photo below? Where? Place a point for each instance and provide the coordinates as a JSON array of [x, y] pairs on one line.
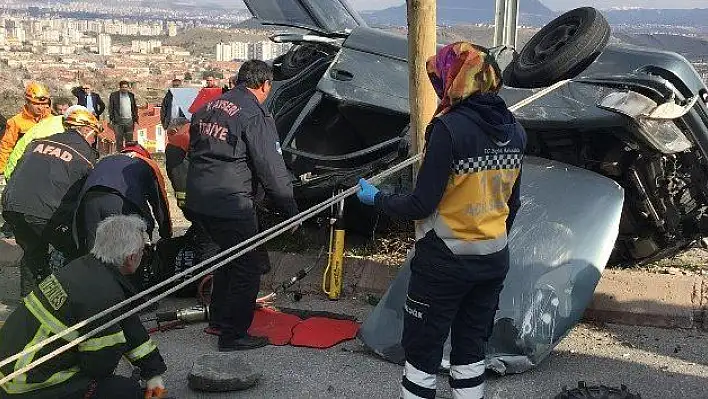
[[171, 29], [19, 33], [58, 49], [241, 51], [145, 46], [224, 52], [51, 36], [104, 44]]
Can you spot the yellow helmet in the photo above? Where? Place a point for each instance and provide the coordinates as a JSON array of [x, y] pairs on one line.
[[37, 93], [78, 116]]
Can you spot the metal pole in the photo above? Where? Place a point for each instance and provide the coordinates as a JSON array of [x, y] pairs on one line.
[[499, 19], [512, 23], [242, 248]]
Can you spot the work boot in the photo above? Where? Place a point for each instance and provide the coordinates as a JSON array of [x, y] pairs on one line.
[[241, 344]]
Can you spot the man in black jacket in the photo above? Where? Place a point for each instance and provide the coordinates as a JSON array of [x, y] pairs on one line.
[[123, 114], [84, 288], [233, 147], [87, 98], [126, 183], [167, 110], [40, 198]]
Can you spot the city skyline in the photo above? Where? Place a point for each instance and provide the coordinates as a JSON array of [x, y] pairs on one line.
[[557, 5]]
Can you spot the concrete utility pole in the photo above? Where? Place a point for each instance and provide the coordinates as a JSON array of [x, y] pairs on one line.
[[422, 40], [512, 23], [499, 20], [506, 22]]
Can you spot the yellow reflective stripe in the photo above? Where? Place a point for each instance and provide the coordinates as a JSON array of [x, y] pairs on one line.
[[141, 351], [41, 335], [96, 344], [46, 318], [13, 387], [180, 195]]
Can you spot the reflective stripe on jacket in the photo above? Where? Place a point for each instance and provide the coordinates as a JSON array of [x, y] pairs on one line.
[[83, 288], [45, 128], [471, 218]]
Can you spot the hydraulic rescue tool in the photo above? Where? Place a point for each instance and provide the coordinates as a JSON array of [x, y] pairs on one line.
[[332, 278]]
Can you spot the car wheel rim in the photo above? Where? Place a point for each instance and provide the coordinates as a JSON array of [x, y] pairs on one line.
[[558, 38]]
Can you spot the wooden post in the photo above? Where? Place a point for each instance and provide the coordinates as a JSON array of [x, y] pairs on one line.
[[422, 42]]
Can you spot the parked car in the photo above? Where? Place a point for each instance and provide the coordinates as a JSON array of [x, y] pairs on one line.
[[635, 115]]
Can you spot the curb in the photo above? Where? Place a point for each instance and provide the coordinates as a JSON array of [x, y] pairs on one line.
[[621, 297]]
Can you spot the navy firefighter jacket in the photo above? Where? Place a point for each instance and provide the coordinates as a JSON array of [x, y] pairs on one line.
[[234, 146], [467, 192], [135, 181]]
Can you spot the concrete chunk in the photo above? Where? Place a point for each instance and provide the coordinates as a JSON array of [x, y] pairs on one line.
[[222, 372]]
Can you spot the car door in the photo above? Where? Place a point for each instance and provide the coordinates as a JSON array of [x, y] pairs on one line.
[[323, 16]]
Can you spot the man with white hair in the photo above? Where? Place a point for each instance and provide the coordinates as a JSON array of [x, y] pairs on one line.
[[83, 288]]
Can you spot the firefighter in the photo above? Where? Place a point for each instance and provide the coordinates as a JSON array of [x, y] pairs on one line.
[[46, 127], [176, 162], [233, 147], [37, 107], [465, 201], [129, 182], [40, 199], [84, 288]]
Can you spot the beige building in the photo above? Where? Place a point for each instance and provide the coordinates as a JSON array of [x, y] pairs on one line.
[[104, 45]]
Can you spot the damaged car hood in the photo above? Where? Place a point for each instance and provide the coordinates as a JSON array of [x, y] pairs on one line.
[[560, 243]]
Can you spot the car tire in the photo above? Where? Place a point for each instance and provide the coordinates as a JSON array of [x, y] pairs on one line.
[[596, 392], [560, 50]]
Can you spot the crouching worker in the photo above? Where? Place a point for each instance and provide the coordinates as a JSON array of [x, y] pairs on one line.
[[122, 184], [83, 288], [40, 199], [465, 200]]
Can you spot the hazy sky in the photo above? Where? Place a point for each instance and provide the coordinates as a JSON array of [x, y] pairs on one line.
[[562, 4]]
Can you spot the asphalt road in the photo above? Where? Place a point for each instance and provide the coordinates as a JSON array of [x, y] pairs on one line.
[[657, 363]]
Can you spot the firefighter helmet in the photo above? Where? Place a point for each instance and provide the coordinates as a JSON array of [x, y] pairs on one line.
[[78, 116], [37, 93]]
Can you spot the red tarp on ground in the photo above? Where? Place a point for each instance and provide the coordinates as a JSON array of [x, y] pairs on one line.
[[319, 332], [314, 332], [277, 326]]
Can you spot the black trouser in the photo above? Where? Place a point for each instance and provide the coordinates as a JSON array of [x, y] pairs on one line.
[[459, 298], [97, 205], [236, 284], [113, 387], [80, 387], [31, 233], [124, 133]]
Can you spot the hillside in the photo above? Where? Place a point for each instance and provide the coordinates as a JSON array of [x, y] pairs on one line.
[[203, 41], [454, 12], [697, 18], [692, 48]]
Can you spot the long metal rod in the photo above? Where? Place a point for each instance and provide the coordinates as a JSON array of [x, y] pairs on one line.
[[253, 242]]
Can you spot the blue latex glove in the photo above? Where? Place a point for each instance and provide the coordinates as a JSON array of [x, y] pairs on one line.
[[367, 192]]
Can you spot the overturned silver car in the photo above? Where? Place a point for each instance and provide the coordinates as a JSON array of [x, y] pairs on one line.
[[617, 157]]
